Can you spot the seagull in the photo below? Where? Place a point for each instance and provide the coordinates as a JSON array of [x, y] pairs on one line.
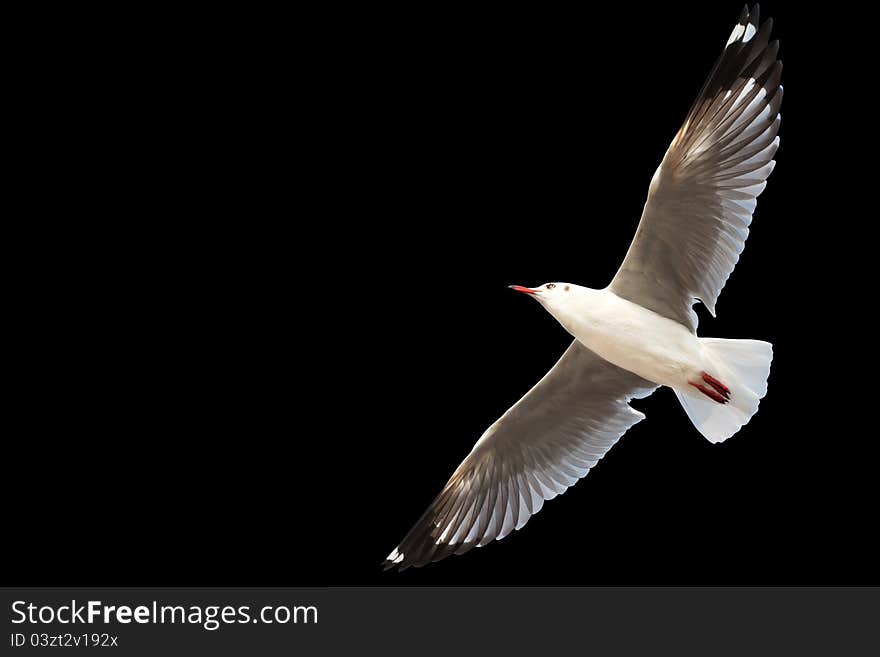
[[640, 332]]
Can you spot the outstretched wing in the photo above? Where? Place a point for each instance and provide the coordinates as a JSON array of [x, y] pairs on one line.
[[542, 445], [701, 199]]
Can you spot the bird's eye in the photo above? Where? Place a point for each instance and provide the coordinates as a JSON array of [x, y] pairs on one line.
[[550, 286]]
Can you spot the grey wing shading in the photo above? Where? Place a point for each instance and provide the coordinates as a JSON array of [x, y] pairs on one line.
[[702, 196], [542, 445]]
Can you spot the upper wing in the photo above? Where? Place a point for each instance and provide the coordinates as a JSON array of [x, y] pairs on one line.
[[700, 202], [542, 445]]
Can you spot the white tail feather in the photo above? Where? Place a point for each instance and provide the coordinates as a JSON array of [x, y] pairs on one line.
[[743, 366]]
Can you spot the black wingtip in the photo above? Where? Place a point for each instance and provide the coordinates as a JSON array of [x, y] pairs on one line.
[[389, 562]]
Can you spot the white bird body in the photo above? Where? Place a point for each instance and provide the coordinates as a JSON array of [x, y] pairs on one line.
[[640, 332], [667, 353], [630, 336]]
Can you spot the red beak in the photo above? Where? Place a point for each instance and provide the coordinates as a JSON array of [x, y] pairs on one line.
[[524, 290]]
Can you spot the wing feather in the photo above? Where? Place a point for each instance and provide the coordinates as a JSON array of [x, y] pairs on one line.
[[538, 449], [701, 199]]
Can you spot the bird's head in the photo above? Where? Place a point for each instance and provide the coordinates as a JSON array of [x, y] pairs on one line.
[[545, 291], [550, 295], [565, 301]]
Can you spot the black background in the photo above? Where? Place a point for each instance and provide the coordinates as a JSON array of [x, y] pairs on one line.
[[266, 308]]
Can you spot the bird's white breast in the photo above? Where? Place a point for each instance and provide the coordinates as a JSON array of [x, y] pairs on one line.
[[633, 337]]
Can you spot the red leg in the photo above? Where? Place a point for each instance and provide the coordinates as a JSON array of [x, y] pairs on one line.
[[711, 394], [715, 383]]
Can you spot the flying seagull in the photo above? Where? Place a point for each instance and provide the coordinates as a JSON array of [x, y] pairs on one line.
[[638, 333]]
